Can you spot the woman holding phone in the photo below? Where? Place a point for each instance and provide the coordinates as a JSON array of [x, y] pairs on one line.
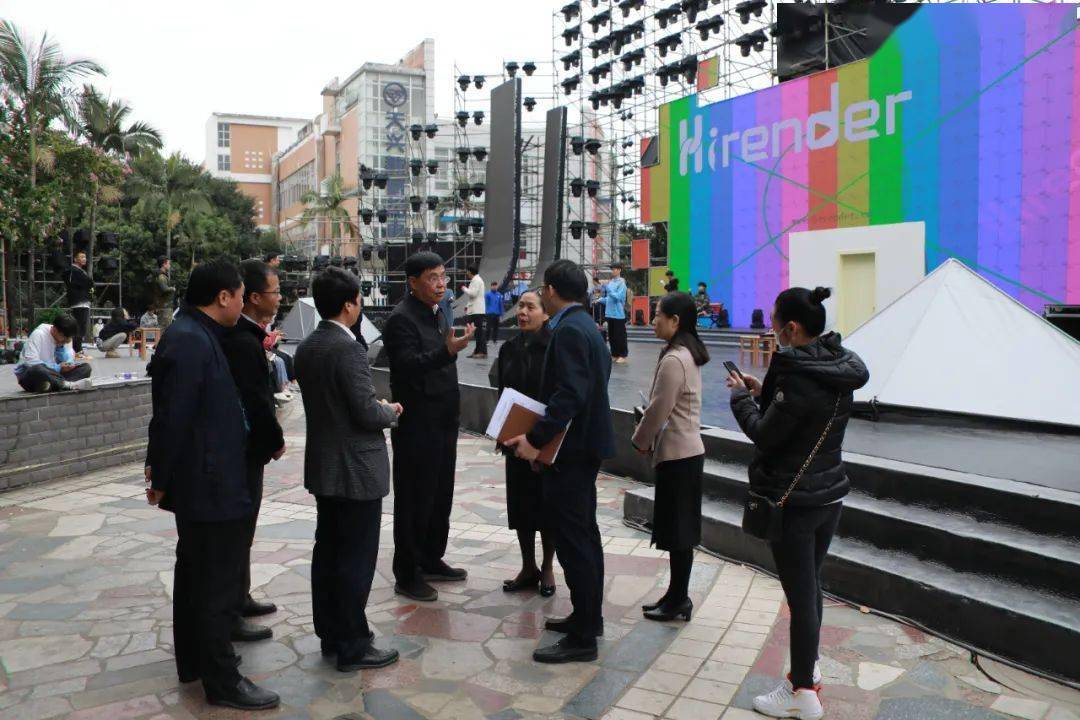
[[796, 419], [670, 432], [518, 366]]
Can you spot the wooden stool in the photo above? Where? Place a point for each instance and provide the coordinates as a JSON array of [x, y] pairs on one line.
[[750, 345], [768, 348], [142, 336]]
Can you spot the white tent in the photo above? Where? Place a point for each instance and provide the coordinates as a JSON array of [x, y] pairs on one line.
[[956, 343], [303, 318]]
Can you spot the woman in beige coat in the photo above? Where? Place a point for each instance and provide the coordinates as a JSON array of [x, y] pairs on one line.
[[670, 432]]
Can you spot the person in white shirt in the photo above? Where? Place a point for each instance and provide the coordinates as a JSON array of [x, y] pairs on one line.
[[46, 362], [475, 309]]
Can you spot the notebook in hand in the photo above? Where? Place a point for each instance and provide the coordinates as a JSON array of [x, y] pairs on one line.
[[516, 414]]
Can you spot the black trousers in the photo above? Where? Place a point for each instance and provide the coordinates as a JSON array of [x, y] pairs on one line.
[[799, 555], [206, 584], [480, 321], [493, 327], [617, 337], [39, 378], [424, 461], [569, 491], [342, 568], [255, 471], [82, 318]]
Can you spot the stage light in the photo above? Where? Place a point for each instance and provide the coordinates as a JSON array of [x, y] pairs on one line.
[[570, 84], [414, 202], [384, 287], [512, 68], [618, 40], [380, 180], [462, 118], [478, 81], [382, 215], [478, 117], [417, 237], [628, 143], [571, 10], [336, 261], [577, 143], [463, 227], [570, 35], [569, 59], [592, 146], [598, 20], [415, 166], [628, 172], [598, 46], [667, 43], [745, 8], [755, 40], [632, 58], [432, 237], [689, 69], [592, 187], [365, 252], [431, 130], [693, 7], [432, 202], [366, 177], [577, 186], [592, 228], [463, 154], [529, 68], [629, 5], [320, 262], [628, 115], [477, 189], [380, 251], [600, 71], [712, 25], [365, 287], [480, 153], [576, 226], [432, 167], [529, 103], [464, 191], [637, 29], [636, 86], [477, 226], [668, 15], [366, 215], [416, 130], [463, 82], [594, 99]]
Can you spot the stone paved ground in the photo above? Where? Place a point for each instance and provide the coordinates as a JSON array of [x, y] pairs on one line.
[[85, 630]]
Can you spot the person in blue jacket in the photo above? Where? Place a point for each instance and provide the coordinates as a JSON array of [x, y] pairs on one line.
[[493, 308], [614, 294]]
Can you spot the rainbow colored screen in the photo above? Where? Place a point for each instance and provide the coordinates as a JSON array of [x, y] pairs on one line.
[[967, 118]]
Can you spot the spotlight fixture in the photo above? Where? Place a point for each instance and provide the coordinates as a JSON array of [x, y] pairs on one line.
[[529, 68], [432, 202], [415, 166], [595, 100], [570, 35], [592, 187], [432, 167], [365, 287], [571, 84], [637, 86], [632, 58], [463, 82], [477, 189], [628, 144], [431, 237], [637, 29], [431, 130], [416, 130], [463, 226], [571, 10], [712, 25], [577, 143], [380, 180], [619, 39], [464, 191], [600, 71], [478, 81], [478, 117], [576, 226], [380, 252], [365, 252], [417, 237], [598, 20], [320, 262], [668, 43], [480, 153], [512, 68], [462, 117], [366, 177], [629, 115], [592, 146], [577, 185], [477, 225], [755, 40], [598, 46], [463, 154], [529, 103], [627, 6], [592, 229], [414, 202], [628, 172], [365, 215], [692, 7], [336, 261], [384, 288], [668, 15], [571, 59], [382, 215], [748, 7]]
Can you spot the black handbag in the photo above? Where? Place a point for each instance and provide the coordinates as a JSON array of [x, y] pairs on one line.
[[762, 517]]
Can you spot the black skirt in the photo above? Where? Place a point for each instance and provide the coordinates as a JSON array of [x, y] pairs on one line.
[[523, 496], [677, 510]]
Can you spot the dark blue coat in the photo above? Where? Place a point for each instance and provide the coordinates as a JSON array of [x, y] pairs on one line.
[[198, 432], [577, 365]]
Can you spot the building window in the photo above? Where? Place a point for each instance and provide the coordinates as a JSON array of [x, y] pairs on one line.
[[224, 163], [293, 187], [223, 135]]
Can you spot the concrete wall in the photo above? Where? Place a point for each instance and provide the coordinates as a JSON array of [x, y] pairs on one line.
[[56, 435]]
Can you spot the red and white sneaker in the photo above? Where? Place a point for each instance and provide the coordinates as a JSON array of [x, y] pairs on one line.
[[783, 702]]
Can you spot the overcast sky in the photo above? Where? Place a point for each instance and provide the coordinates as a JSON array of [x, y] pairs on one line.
[[176, 62]]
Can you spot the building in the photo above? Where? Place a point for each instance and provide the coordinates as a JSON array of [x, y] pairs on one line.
[[242, 148]]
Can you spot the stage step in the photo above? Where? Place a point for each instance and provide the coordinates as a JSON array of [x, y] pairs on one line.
[[1022, 621]]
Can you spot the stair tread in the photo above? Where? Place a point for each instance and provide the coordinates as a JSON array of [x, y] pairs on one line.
[[951, 521], [1008, 596]]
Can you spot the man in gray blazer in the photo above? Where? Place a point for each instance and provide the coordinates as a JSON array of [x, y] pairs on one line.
[[346, 468]]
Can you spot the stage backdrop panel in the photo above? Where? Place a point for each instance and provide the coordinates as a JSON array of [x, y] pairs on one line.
[[967, 119]]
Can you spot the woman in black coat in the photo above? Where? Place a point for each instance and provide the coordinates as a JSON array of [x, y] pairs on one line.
[[804, 403], [519, 366]]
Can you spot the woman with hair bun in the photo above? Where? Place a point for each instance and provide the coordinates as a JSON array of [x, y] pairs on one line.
[[796, 419]]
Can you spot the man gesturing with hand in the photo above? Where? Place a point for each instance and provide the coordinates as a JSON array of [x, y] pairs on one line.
[[423, 377]]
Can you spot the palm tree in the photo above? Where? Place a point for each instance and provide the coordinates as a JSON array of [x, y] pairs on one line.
[[37, 78], [101, 123], [172, 183], [328, 206]]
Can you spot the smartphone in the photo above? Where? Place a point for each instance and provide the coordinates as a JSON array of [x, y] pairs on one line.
[[732, 368]]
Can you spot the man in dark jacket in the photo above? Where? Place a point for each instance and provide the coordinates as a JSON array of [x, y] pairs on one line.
[[346, 468], [195, 467], [423, 350], [574, 388], [79, 288], [243, 347], [162, 294]]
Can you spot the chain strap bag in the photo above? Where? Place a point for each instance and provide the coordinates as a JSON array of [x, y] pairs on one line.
[[764, 518]]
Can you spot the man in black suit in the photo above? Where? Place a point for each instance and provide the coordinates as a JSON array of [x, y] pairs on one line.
[[195, 467], [574, 388], [423, 351], [346, 468], [243, 347], [79, 288]]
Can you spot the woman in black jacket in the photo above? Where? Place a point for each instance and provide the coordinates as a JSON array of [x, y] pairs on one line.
[[806, 397], [519, 366]]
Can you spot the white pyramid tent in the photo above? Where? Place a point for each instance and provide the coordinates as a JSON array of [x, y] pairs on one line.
[[956, 343], [303, 318]]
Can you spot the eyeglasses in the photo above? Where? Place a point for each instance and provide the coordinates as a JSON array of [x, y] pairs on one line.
[[436, 279]]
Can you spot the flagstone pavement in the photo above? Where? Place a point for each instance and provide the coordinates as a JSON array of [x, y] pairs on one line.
[[85, 623]]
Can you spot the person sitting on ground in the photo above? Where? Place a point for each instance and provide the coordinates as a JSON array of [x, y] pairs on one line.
[[47, 361], [115, 332]]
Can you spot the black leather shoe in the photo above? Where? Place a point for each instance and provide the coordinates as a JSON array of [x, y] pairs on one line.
[[652, 606], [191, 677], [521, 583], [547, 590], [566, 650], [441, 572], [245, 696], [417, 590], [563, 625], [369, 657], [243, 631], [666, 612], [254, 608], [328, 648]]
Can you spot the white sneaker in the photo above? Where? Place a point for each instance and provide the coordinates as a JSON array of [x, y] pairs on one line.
[[77, 385], [817, 674], [783, 703], [282, 397]]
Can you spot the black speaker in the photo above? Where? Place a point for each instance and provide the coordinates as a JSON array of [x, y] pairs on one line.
[[396, 254], [757, 319], [1065, 317]]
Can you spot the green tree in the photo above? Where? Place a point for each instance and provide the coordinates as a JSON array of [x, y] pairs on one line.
[[328, 207], [170, 186]]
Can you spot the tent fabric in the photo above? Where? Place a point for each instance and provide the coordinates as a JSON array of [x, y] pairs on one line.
[[956, 343], [303, 318]]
